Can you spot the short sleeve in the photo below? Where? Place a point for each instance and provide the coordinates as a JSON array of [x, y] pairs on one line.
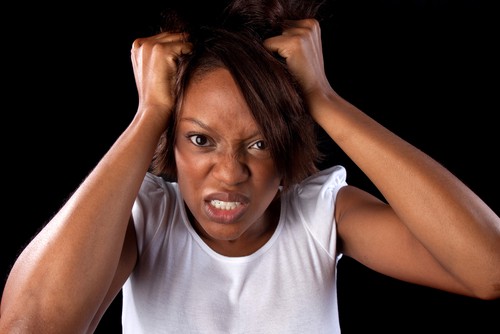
[[316, 197], [151, 208]]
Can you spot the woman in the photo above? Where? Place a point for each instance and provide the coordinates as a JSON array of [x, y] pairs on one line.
[[232, 227]]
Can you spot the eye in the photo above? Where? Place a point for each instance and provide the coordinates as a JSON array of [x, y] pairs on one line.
[[199, 140], [259, 145]]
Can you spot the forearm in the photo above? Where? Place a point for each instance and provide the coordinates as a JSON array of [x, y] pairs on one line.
[[450, 221], [63, 275]]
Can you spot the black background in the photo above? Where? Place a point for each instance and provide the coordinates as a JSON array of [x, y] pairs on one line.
[[427, 70]]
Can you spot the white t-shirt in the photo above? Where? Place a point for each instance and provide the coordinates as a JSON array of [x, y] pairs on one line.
[[180, 285]]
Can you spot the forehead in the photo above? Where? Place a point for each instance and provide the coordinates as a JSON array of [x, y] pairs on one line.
[[215, 98]]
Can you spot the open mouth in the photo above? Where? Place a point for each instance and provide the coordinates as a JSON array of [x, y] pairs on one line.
[[222, 205]]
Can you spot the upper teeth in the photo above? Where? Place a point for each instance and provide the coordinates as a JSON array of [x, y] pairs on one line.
[[224, 205]]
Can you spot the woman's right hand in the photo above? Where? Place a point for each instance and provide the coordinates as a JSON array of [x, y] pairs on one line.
[[154, 61]]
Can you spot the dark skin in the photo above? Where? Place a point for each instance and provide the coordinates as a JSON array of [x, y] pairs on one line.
[[433, 230], [230, 164]]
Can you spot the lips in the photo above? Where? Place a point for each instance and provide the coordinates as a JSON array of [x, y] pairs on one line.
[[225, 208]]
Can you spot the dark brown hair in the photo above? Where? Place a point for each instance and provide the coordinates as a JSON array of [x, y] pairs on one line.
[[274, 97]]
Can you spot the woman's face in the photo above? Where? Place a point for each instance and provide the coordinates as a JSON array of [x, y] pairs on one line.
[[224, 169]]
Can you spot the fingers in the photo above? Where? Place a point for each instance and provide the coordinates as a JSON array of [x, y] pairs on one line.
[[163, 37], [301, 26], [297, 35], [177, 42], [300, 46], [154, 61]]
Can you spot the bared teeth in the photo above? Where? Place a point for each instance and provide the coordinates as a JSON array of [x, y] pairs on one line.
[[224, 205]]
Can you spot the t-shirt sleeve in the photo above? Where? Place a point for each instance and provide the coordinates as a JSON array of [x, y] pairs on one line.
[[150, 209], [316, 201]]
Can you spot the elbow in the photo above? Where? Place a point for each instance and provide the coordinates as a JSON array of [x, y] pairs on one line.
[[490, 292], [488, 295], [489, 288], [480, 284], [487, 276]]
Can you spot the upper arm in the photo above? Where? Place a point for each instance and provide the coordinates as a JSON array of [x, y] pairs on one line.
[[126, 265], [371, 233]]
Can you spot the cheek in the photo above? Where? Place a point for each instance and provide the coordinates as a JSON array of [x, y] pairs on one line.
[[192, 169], [181, 161], [188, 177], [266, 175]]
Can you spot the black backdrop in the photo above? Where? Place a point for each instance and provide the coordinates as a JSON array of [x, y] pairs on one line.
[[425, 69]]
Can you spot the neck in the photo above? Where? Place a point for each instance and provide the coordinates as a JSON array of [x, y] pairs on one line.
[[250, 241]]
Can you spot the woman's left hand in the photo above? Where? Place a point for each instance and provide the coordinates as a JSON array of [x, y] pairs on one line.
[[300, 45]]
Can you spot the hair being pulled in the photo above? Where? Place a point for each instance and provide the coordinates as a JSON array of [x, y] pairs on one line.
[[235, 42]]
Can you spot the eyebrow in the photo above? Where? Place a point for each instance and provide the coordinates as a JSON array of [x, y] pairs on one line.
[[208, 128], [196, 121]]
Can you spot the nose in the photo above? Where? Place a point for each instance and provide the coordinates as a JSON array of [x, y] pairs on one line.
[[230, 169]]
